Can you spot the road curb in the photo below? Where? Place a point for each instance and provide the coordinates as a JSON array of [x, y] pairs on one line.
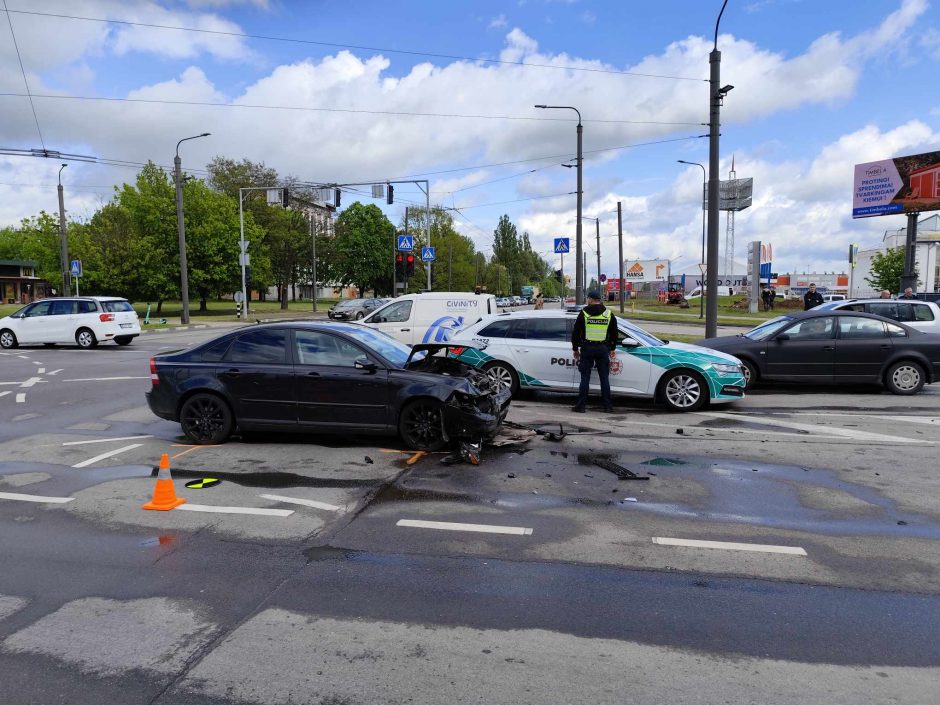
[[174, 330]]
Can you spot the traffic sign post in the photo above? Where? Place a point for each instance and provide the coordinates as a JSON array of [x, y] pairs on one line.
[[75, 269]]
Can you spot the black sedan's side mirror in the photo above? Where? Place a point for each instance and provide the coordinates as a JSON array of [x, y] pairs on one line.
[[782, 337], [364, 363]]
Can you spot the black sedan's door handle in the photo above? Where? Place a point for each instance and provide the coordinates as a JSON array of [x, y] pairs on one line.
[[231, 373], [313, 374], [885, 347], [828, 347]]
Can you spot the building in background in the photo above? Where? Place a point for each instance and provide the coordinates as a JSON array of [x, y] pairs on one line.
[[926, 259], [19, 283]]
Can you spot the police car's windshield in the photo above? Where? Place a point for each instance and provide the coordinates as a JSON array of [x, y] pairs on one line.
[[638, 334], [765, 330]]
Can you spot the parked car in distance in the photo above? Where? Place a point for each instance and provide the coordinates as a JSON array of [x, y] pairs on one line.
[[339, 378], [81, 320], [923, 315], [833, 297], [532, 349], [833, 346], [354, 309]]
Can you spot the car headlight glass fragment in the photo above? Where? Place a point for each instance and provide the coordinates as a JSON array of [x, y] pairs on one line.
[[725, 368]]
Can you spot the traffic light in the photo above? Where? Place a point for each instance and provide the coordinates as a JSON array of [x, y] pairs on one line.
[[247, 275], [558, 276], [400, 266], [285, 197], [391, 195], [336, 197], [410, 265]]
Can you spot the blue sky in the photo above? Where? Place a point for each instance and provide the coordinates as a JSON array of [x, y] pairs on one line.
[[819, 86]]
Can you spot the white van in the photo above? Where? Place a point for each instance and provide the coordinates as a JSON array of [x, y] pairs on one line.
[[430, 317]]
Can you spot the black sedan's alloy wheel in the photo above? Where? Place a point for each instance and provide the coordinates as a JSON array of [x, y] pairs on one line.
[[206, 419], [420, 425]]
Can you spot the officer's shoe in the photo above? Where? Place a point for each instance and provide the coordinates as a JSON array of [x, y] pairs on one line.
[[578, 409], [608, 409]]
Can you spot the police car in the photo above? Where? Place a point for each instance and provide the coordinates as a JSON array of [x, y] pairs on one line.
[[532, 350]]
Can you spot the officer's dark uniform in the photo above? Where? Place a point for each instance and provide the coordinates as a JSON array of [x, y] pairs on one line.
[[594, 337]]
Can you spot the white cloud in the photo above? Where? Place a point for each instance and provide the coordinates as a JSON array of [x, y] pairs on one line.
[[587, 17], [498, 22]]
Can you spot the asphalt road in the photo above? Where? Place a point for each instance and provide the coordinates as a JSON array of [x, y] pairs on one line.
[[537, 577]]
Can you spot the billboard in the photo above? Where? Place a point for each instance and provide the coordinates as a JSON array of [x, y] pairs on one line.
[[900, 185], [645, 270]]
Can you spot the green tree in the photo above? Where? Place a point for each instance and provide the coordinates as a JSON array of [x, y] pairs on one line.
[[886, 270], [37, 240], [360, 253], [228, 175]]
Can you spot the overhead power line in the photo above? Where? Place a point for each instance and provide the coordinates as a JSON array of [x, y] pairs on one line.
[[337, 45], [23, 71], [304, 108]]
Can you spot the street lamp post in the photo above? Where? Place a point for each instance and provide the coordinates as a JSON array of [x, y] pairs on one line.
[[64, 240], [701, 303], [184, 274], [578, 254], [716, 95]]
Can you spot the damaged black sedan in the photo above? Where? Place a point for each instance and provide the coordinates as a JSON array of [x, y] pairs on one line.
[[338, 378]]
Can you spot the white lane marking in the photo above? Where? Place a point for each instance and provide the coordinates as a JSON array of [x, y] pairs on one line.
[[41, 370], [451, 526], [22, 357], [36, 362], [55, 372], [86, 463], [3, 394], [902, 418], [34, 498], [104, 440], [101, 379], [730, 546], [304, 502], [30, 382], [236, 510], [21, 398], [813, 429]]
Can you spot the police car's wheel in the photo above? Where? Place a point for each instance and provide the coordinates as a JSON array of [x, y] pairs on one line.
[[504, 376], [683, 390]]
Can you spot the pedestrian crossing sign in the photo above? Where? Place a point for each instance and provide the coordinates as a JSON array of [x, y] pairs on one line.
[[561, 246]]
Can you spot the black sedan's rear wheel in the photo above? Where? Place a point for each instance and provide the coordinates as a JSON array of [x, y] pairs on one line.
[[420, 425], [905, 377], [683, 390], [206, 419]]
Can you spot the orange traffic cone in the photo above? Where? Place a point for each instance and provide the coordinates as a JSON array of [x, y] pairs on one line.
[[164, 496]]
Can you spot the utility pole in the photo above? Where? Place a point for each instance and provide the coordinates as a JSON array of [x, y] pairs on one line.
[[64, 240], [597, 224], [716, 94], [909, 278], [181, 226], [313, 262], [620, 249]]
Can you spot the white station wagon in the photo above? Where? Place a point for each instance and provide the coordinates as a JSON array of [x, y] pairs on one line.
[[81, 320]]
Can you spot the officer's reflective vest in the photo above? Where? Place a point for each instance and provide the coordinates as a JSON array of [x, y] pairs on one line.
[[595, 327]]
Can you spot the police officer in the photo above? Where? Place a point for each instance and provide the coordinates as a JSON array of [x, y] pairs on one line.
[[594, 341]]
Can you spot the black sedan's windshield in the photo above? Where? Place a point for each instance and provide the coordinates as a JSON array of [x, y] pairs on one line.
[[765, 330], [385, 345]]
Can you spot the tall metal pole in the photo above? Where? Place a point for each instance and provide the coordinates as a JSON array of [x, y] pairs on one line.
[[579, 245], [242, 248], [909, 278], [620, 249], [427, 201], [564, 289], [715, 95], [314, 247], [701, 289], [181, 226], [63, 240], [597, 224]]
